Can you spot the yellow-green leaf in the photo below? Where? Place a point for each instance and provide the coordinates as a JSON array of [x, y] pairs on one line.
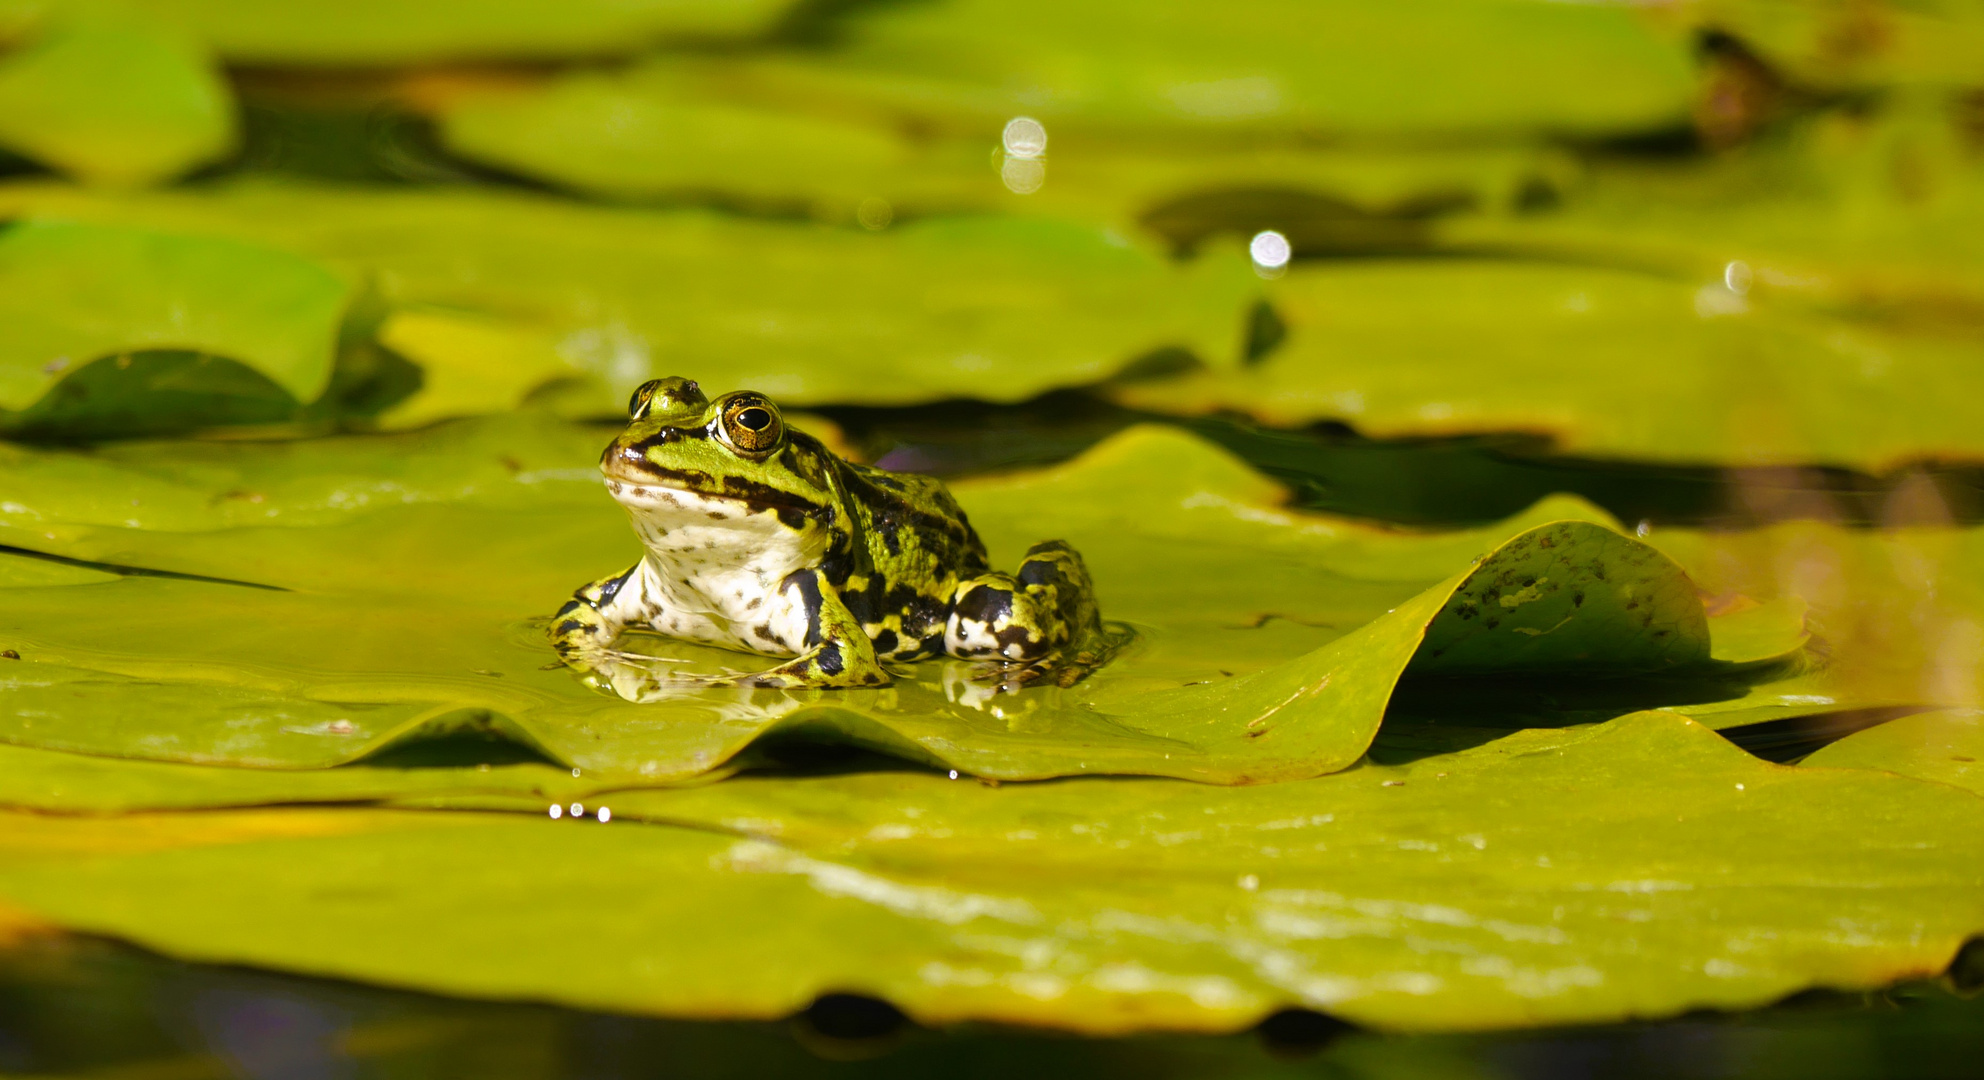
[[113, 98], [1641, 868], [71, 293]]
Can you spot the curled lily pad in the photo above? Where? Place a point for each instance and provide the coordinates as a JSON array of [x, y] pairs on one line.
[[1640, 868], [114, 98], [1606, 362], [1269, 642], [72, 292], [373, 32], [987, 307]]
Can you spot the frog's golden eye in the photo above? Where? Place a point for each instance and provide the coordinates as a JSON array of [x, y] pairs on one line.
[[752, 424]]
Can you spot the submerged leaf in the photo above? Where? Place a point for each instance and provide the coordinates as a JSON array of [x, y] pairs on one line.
[[1642, 868], [71, 293], [1269, 641], [114, 99]]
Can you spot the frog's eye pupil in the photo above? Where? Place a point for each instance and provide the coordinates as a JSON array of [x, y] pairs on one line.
[[754, 419]]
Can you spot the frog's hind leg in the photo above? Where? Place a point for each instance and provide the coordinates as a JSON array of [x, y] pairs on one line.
[[1041, 622], [838, 652]]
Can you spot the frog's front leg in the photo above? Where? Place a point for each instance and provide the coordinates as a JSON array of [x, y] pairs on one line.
[[583, 630], [1038, 623], [838, 651]]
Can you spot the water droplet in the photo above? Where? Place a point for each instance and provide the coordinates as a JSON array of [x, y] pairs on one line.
[[1271, 252], [954, 774], [605, 815], [1643, 528], [1023, 176], [575, 773], [578, 810], [874, 213], [557, 811], [1737, 277], [1024, 137]]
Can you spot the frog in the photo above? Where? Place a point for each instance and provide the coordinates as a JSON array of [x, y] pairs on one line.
[[758, 538]]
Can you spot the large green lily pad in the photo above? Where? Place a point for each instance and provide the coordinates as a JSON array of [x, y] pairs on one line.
[[501, 294], [1946, 746], [356, 33], [708, 131], [113, 98], [1898, 187], [1640, 868], [1269, 642], [1607, 362], [1428, 67], [71, 293]]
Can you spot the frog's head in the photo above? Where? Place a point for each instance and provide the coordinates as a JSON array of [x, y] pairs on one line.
[[732, 455]]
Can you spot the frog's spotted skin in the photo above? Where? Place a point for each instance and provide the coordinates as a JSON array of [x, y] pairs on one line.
[[759, 538]]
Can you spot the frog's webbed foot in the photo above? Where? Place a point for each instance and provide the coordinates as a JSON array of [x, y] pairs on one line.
[[1040, 625], [583, 631]]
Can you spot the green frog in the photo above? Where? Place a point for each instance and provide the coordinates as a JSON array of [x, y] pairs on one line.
[[759, 538]]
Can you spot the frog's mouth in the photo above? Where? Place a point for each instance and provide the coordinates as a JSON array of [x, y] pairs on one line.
[[650, 487]]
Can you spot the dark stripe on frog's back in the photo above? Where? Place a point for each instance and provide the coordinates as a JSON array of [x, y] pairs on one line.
[[898, 518]]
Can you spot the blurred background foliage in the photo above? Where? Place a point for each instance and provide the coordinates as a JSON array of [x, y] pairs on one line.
[[1711, 234]]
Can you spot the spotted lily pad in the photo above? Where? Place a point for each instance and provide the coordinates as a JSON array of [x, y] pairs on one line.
[[111, 97], [985, 307], [1269, 642], [1640, 868], [1606, 362]]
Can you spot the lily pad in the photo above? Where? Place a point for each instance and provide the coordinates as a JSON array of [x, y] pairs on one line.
[[708, 131], [987, 307], [113, 98], [72, 292], [1269, 641], [1899, 611], [1898, 185], [1856, 45], [1606, 362], [1429, 67], [356, 33], [1945, 746], [1641, 868]]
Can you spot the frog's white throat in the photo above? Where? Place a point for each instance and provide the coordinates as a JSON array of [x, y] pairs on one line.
[[715, 557]]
